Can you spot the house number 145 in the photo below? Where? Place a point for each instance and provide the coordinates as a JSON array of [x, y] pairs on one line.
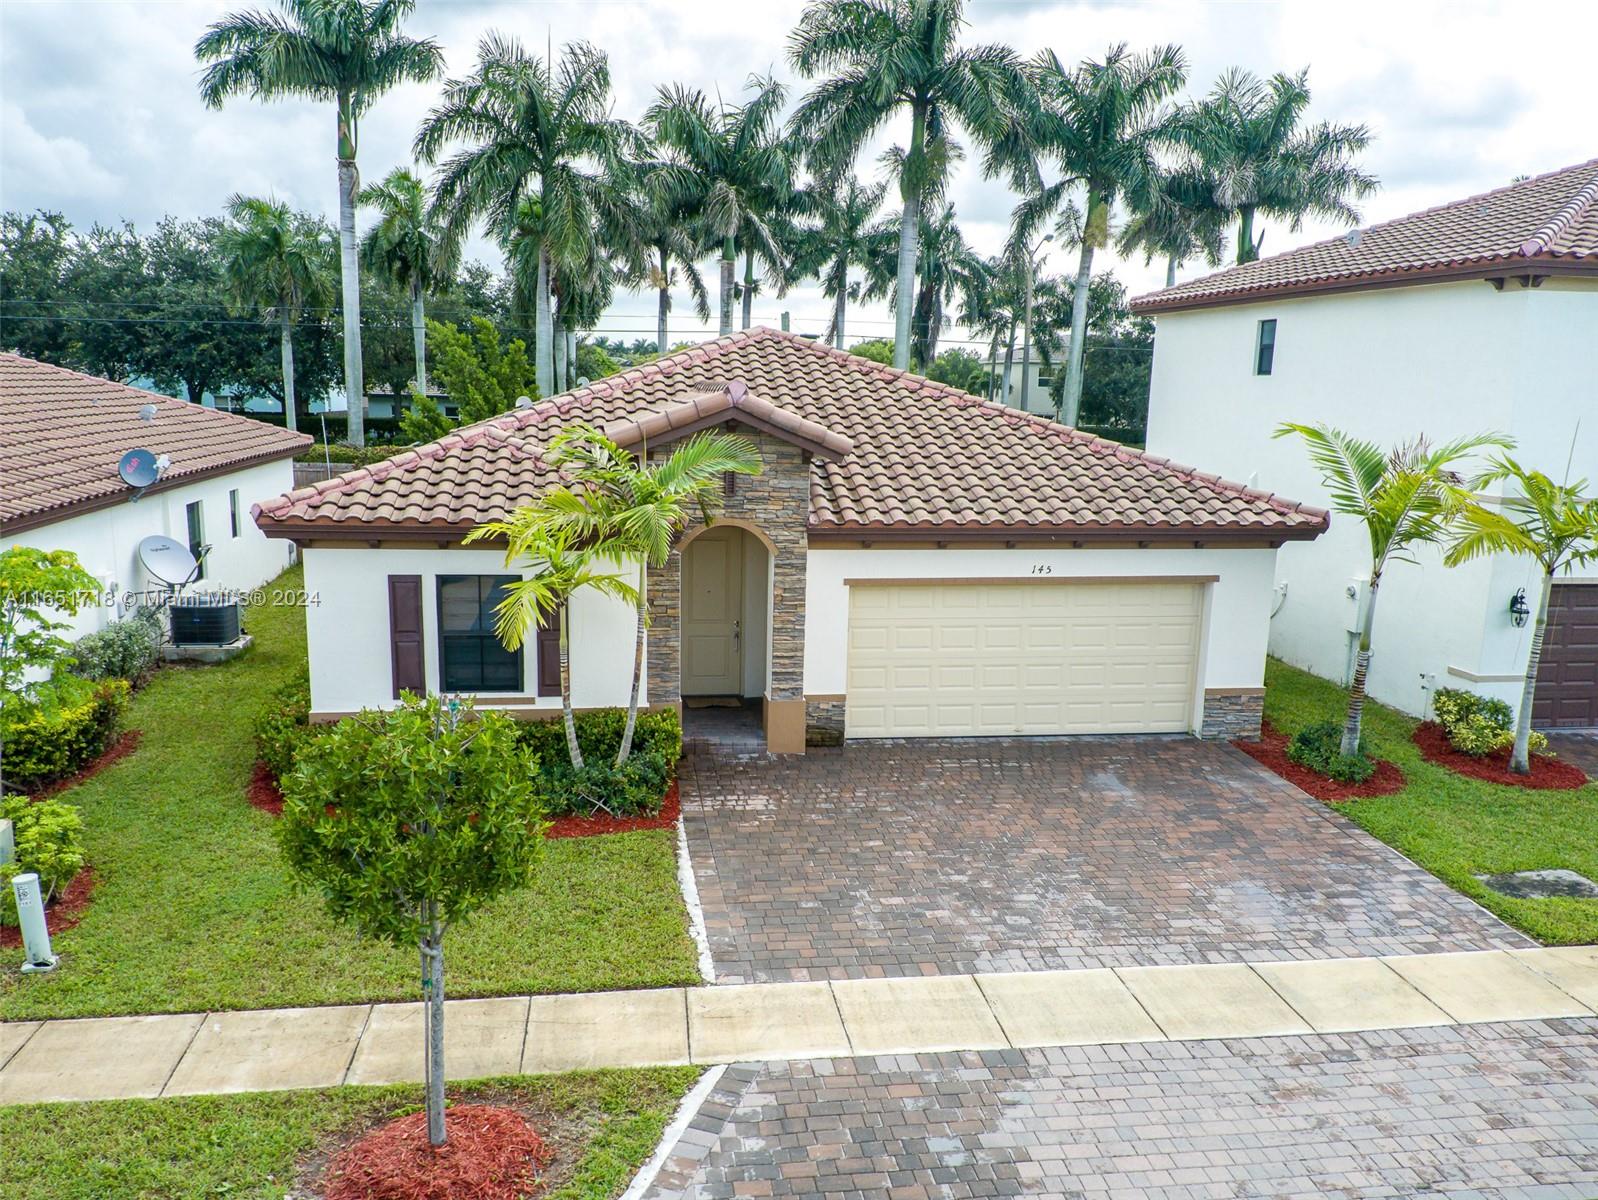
[[1042, 569]]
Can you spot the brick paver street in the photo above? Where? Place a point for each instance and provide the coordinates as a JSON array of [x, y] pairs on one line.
[[899, 858], [1483, 1112]]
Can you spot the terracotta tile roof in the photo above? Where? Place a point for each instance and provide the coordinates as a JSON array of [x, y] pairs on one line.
[[692, 413], [62, 434], [911, 455], [1549, 222]]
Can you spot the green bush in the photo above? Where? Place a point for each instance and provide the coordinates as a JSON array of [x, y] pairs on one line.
[[635, 789], [68, 723], [599, 735], [284, 726], [1319, 747], [49, 837], [126, 649], [1478, 725], [340, 452]]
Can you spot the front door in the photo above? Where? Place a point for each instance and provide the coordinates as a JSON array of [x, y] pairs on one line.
[[712, 604]]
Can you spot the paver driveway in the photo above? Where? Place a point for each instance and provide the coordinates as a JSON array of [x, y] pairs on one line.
[[901, 858]]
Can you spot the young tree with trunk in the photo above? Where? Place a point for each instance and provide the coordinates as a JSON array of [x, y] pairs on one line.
[[543, 159], [730, 166], [1554, 524], [346, 51], [1248, 155], [639, 508], [275, 263], [409, 247], [1405, 498], [408, 822], [560, 565], [892, 57]]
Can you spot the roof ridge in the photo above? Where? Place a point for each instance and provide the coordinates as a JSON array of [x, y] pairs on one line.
[[1541, 241]]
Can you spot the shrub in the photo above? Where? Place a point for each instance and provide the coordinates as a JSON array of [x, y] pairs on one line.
[[70, 722], [1319, 747], [635, 789], [599, 735], [49, 837], [284, 726], [1478, 725], [126, 649]]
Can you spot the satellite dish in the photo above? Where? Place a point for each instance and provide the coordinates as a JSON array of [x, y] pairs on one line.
[[139, 469], [167, 560], [524, 401]]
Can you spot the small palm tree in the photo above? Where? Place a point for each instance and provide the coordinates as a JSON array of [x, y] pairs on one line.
[[409, 247], [1553, 523], [949, 268], [1168, 224], [543, 156], [1405, 498], [893, 56], [349, 52], [275, 262], [640, 508], [1101, 123], [731, 167], [561, 568], [835, 237], [665, 227], [1249, 155]]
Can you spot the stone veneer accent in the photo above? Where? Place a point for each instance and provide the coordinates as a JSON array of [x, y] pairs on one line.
[[1233, 714], [777, 501], [824, 720]]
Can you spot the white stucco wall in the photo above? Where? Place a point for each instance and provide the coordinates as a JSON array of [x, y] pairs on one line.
[[347, 628], [1236, 619], [1444, 360], [106, 540]]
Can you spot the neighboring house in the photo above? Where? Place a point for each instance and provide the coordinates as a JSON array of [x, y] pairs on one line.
[[61, 437], [913, 562], [1039, 395], [1475, 316]]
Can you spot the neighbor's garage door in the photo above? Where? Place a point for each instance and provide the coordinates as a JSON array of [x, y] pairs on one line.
[[991, 659], [1567, 680]]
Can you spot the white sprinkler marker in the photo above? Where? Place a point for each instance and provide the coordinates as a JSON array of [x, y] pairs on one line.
[[30, 914]]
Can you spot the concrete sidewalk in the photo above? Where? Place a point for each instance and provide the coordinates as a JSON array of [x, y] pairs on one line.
[[274, 1049]]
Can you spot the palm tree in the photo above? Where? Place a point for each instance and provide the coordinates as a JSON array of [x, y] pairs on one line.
[[409, 247], [346, 51], [1553, 523], [949, 268], [1405, 498], [634, 507], [275, 262], [561, 567], [835, 237], [1250, 156], [673, 251], [1173, 226], [892, 56], [543, 157], [1101, 124], [730, 166]]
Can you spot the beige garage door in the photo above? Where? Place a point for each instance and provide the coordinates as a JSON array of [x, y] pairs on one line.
[[996, 659]]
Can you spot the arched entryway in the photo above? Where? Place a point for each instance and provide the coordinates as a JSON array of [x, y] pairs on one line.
[[725, 632]]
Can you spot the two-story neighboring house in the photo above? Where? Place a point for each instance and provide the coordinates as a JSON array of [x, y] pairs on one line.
[[1474, 316]]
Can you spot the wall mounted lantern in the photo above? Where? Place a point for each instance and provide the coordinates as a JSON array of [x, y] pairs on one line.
[[1519, 610]]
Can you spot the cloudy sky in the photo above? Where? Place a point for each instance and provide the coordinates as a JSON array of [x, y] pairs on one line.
[[100, 119]]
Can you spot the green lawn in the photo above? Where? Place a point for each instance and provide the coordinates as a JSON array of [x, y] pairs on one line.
[[195, 911], [604, 1125], [1457, 827]]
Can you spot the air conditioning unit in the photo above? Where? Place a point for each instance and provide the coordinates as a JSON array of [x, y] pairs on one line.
[[204, 621]]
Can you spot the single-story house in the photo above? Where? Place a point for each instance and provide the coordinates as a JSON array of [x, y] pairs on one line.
[[1479, 315], [912, 562], [62, 435]]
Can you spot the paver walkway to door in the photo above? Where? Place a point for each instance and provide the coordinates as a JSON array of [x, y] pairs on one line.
[[958, 856], [123, 1057]]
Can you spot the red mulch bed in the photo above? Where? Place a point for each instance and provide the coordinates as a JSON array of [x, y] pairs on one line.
[[114, 753], [62, 913], [1547, 772], [263, 791], [670, 810], [1271, 752], [492, 1154]]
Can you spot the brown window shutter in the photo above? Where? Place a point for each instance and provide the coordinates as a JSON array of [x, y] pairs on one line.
[[405, 634], [549, 658]]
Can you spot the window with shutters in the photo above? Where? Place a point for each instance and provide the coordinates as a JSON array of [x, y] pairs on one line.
[[471, 657]]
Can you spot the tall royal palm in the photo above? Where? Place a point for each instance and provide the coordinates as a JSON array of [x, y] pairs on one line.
[[950, 268], [835, 236], [888, 57], [540, 143], [730, 165], [1099, 124], [408, 247], [1250, 156], [349, 52], [277, 263]]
